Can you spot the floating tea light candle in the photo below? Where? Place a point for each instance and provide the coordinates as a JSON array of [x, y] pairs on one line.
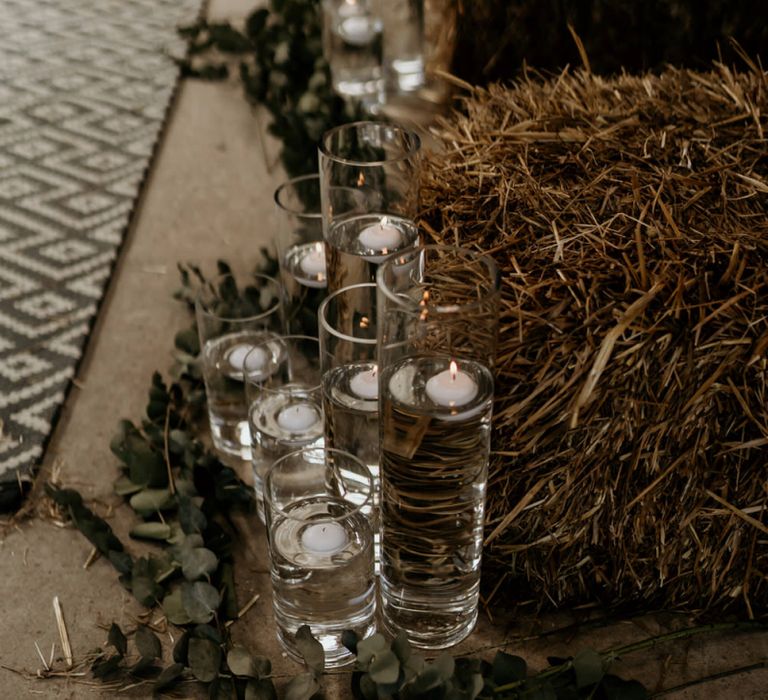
[[366, 384], [451, 387], [245, 356], [358, 29], [382, 237], [298, 418], [312, 263], [324, 538]]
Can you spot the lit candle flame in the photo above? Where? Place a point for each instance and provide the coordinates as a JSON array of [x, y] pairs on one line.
[[361, 179], [374, 370], [454, 370], [384, 221], [364, 322]]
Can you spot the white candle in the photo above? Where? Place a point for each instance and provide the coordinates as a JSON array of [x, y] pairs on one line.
[[298, 418], [357, 29], [366, 384], [240, 356], [324, 538], [312, 264], [451, 387], [381, 237]]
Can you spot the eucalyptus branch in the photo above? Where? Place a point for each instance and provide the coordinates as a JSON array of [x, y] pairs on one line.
[[712, 677], [750, 626]]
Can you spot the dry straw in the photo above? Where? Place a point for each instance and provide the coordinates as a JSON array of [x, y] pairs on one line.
[[629, 216]]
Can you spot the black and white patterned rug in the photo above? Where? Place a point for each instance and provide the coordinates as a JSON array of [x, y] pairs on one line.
[[84, 90]]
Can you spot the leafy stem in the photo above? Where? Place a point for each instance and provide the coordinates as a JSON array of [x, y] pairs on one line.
[[750, 626], [712, 677]]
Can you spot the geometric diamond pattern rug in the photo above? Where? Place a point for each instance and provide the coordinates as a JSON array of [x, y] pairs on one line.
[[84, 90]]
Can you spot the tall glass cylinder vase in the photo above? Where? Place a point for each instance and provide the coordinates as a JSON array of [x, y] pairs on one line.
[[419, 39], [351, 379], [352, 45], [437, 330], [301, 250], [382, 163]]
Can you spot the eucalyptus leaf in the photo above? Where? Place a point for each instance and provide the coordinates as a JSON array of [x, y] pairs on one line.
[[105, 667], [310, 649], [168, 677], [200, 600], [181, 648], [174, 610], [122, 561], [368, 648], [240, 662], [222, 688], [144, 667], [402, 647], [143, 585], [145, 466], [149, 501], [468, 677], [589, 668], [433, 676], [151, 531], [508, 668], [385, 667], [188, 341], [204, 631], [117, 639], [198, 562], [125, 487], [191, 518], [147, 644], [204, 658], [262, 689], [302, 687]]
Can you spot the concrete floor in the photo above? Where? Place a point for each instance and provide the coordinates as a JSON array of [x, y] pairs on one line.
[[208, 197]]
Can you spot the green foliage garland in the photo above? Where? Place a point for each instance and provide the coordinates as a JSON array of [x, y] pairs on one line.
[[282, 68]]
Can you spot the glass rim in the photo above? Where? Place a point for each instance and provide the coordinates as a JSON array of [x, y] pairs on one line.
[[292, 387], [283, 187], [202, 307], [325, 450], [333, 331], [407, 153], [407, 304]]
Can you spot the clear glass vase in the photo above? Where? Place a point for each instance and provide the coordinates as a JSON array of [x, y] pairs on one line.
[[437, 326]]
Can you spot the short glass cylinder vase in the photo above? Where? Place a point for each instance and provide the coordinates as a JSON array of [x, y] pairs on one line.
[[233, 315], [437, 330], [321, 549], [285, 410], [382, 163]]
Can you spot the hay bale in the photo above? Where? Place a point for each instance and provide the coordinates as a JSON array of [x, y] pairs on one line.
[[631, 427]]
